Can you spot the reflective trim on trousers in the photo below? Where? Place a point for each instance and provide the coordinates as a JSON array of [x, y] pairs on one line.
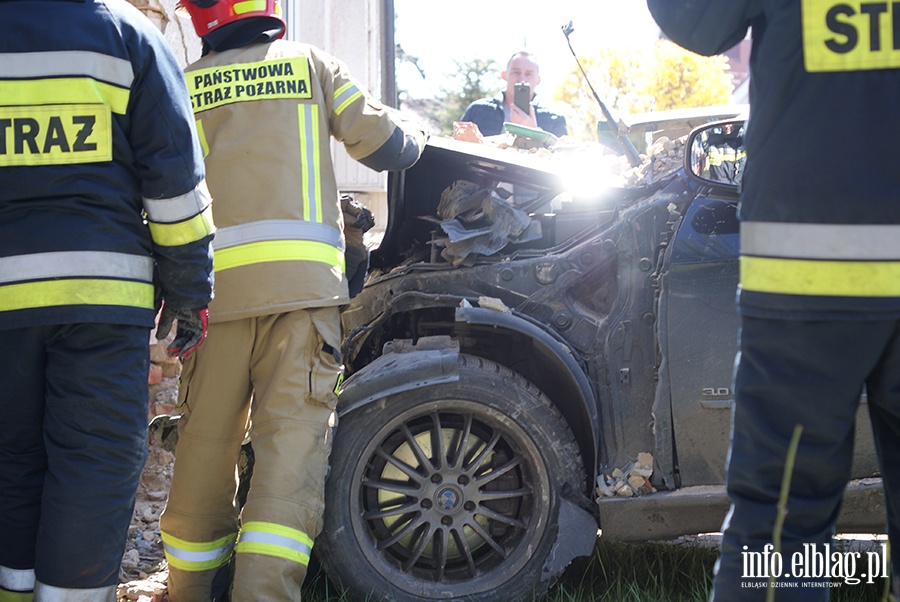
[[17, 580], [49, 593], [271, 539], [197, 556]]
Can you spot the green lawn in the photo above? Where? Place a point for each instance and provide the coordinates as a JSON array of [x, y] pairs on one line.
[[619, 572]]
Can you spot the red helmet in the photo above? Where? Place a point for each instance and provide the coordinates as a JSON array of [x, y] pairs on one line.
[[209, 15]]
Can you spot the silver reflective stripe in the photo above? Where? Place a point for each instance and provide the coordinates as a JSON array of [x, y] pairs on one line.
[[860, 242], [49, 593], [67, 264], [275, 540], [346, 95], [178, 208], [67, 63], [309, 152], [277, 229], [198, 557], [16, 580]]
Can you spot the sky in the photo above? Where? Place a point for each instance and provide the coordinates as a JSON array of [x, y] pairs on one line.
[[495, 29]]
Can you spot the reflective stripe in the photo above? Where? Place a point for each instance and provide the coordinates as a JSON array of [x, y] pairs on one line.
[[202, 136], [277, 229], [825, 278], [60, 91], [54, 293], [84, 63], [172, 235], [49, 593], [275, 540], [345, 95], [248, 5], [866, 242], [310, 160], [17, 580], [197, 556], [6, 596], [717, 156], [178, 208], [98, 264], [279, 250]]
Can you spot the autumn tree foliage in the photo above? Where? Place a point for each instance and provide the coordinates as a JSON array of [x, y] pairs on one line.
[[631, 81]]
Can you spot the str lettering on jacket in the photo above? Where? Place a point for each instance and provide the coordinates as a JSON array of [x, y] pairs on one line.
[[841, 35], [217, 86], [55, 134]]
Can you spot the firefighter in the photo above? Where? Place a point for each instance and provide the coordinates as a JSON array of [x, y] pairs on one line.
[[266, 111], [820, 274], [726, 155], [102, 195]]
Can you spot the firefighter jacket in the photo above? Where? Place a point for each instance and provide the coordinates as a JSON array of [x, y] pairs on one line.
[[101, 175], [820, 214], [266, 114]]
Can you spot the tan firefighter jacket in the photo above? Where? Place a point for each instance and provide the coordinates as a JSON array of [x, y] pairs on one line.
[[265, 115]]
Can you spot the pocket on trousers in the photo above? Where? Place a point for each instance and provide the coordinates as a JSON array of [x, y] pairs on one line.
[[327, 369]]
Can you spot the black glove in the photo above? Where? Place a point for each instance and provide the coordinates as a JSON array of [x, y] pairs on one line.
[[357, 221], [191, 331]]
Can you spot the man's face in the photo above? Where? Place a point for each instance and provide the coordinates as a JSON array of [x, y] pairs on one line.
[[520, 69]]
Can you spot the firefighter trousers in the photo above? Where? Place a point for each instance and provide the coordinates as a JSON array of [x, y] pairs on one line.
[[811, 374], [72, 446], [275, 375]]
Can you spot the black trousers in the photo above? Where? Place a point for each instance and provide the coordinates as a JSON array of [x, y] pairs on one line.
[[811, 374], [73, 442]]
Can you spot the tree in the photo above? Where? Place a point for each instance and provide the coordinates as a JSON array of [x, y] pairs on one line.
[[473, 79], [633, 81]]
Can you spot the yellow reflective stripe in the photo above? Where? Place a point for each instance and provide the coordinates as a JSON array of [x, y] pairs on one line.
[[248, 6], [717, 156], [310, 159], [197, 556], [6, 596], [192, 230], [278, 250], [850, 35], [80, 63], [270, 539], [864, 242], [825, 278], [345, 95], [53, 293], [65, 90], [202, 136]]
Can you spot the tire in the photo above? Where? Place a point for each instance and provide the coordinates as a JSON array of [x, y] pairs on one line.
[[408, 517]]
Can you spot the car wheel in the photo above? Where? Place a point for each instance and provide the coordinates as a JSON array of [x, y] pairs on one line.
[[449, 491]]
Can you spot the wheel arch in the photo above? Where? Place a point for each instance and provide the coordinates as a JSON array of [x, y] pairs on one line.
[[542, 358]]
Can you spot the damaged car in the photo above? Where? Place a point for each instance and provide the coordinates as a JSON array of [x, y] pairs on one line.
[[532, 362]]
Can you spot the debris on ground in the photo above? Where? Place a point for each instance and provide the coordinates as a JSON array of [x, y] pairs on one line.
[[629, 481]]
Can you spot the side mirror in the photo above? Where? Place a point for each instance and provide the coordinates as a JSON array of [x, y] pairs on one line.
[[714, 153]]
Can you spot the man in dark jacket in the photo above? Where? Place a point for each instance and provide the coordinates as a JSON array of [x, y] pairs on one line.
[[489, 114], [102, 195], [820, 267]]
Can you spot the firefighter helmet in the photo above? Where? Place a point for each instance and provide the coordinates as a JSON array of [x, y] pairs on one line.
[[209, 15]]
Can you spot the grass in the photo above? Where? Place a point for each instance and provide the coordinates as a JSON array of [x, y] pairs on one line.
[[620, 572]]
